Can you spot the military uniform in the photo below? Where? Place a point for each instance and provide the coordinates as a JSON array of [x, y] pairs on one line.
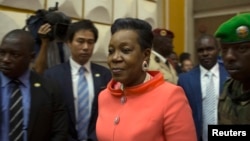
[[234, 102], [234, 105], [162, 48], [168, 71]]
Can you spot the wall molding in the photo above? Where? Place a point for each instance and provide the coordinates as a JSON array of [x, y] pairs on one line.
[[220, 12]]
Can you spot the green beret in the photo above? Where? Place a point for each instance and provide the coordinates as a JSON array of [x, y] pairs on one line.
[[235, 30]]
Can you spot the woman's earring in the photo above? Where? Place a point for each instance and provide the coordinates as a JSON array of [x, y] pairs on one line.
[[144, 66]]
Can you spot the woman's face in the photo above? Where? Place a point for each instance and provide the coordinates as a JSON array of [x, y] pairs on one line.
[[187, 65], [126, 57]]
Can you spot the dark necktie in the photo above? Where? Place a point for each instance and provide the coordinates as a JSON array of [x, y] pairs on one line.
[[16, 113]]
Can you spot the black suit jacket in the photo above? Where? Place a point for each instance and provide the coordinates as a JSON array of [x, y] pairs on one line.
[[47, 119], [62, 74]]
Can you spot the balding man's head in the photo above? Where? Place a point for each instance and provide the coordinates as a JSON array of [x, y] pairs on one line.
[[16, 53], [25, 37]]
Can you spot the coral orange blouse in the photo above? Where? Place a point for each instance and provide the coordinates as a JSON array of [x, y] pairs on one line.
[[153, 111]]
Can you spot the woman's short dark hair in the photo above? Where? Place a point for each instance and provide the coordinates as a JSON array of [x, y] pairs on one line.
[[141, 27], [82, 25]]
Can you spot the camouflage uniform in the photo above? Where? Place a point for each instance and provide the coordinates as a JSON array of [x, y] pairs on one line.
[[234, 105]]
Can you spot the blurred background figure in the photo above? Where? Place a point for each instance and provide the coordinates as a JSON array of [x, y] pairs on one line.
[[49, 28], [184, 56], [174, 59], [162, 48], [53, 49], [186, 65]]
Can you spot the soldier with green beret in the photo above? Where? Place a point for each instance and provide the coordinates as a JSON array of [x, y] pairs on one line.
[[234, 103]]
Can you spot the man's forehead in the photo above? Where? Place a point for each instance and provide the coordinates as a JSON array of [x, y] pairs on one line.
[[85, 34], [86, 38], [11, 39], [206, 41], [14, 43]]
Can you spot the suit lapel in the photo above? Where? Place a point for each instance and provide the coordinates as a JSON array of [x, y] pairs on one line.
[[197, 88], [96, 76], [35, 90], [69, 91], [197, 84], [0, 101], [97, 84]]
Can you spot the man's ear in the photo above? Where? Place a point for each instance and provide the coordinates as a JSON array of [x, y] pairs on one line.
[[32, 60]]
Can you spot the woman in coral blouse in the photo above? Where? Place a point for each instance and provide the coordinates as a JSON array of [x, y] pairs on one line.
[[138, 105]]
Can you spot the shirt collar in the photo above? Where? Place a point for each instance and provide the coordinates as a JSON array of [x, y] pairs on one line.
[[75, 66], [24, 79], [214, 70], [163, 59]]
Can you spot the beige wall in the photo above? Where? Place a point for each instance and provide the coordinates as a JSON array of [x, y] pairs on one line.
[[208, 5], [194, 15], [207, 15], [13, 14]]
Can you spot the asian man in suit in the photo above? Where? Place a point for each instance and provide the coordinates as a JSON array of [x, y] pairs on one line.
[[196, 86], [82, 36], [31, 106]]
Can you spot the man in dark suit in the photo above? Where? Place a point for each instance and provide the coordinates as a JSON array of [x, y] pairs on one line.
[[38, 113], [195, 83], [82, 37]]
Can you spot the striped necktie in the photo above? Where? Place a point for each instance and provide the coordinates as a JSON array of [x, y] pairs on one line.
[[83, 106], [16, 113], [209, 106]]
